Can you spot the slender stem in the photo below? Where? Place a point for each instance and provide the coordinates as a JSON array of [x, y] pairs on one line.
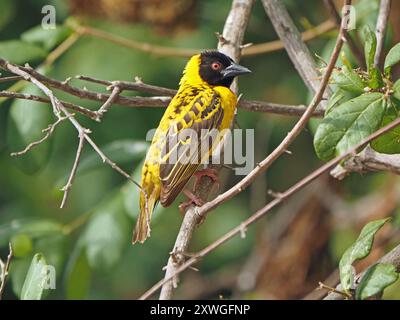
[[5, 267], [358, 54], [381, 25], [256, 49]]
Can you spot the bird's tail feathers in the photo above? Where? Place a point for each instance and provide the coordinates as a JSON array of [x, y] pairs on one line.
[[147, 205]]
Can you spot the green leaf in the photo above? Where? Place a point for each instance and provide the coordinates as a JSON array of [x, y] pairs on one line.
[[358, 250], [348, 80], [369, 47], [375, 78], [18, 270], [376, 279], [78, 274], [390, 141], [392, 57], [348, 124], [46, 38], [26, 121], [107, 234], [35, 279], [8, 10], [32, 228], [21, 244], [20, 52], [337, 98]]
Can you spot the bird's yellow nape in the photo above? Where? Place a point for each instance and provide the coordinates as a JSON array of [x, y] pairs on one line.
[[191, 73]]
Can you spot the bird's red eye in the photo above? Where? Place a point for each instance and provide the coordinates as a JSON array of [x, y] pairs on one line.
[[216, 65]]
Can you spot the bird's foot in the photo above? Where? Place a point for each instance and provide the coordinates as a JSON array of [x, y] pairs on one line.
[[192, 199], [207, 172]]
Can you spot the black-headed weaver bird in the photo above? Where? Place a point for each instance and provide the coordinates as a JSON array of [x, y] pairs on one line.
[[203, 102]]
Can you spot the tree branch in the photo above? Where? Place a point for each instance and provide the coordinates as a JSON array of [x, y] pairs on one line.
[[368, 160], [59, 111], [381, 25], [295, 47], [4, 269], [358, 54], [68, 186], [256, 49], [135, 102]]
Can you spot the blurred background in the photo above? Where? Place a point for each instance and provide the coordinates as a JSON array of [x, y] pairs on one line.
[[89, 242]]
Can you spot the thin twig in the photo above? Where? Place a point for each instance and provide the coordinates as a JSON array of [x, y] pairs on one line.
[[64, 46], [30, 75], [5, 267], [252, 50], [138, 85], [333, 290], [13, 78], [72, 175], [381, 25], [298, 52], [194, 215], [368, 160], [107, 105], [134, 102], [358, 54], [263, 211], [16, 95], [49, 131]]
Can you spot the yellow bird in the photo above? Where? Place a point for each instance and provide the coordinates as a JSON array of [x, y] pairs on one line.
[[203, 102]]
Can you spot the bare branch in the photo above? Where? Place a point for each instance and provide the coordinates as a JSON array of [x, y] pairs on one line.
[[256, 49], [32, 76], [358, 54], [381, 25], [295, 47], [107, 105], [134, 102], [16, 95], [49, 131], [368, 160], [8, 79], [276, 45], [4, 268], [138, 85], [68, 186]]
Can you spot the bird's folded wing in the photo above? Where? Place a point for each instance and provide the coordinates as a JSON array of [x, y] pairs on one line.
[[185, 146]]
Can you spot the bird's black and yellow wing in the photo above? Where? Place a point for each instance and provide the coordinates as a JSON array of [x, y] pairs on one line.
[[204, 113]]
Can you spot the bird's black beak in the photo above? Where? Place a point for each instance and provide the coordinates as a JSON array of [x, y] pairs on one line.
[[234, 70]]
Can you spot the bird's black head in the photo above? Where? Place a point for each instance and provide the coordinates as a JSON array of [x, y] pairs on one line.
[[218, 69]]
